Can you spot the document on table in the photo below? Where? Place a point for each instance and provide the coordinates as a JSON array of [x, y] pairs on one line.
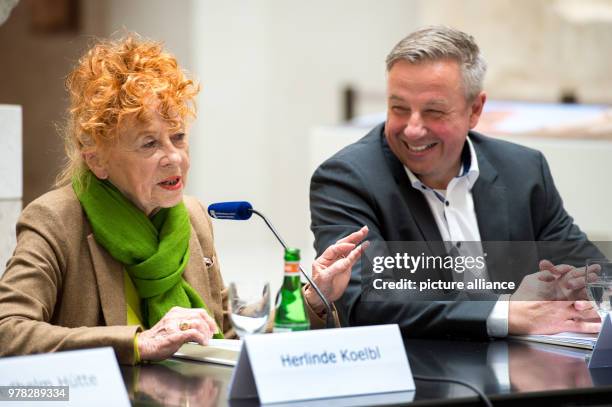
[[571, 339], [220, 351]]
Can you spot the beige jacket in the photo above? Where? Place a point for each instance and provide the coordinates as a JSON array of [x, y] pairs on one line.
[[62, 290]]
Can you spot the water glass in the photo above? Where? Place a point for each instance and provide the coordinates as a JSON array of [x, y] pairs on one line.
[[599, 285], [249, 305]]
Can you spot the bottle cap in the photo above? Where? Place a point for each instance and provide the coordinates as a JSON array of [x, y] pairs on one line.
[[292, 254]]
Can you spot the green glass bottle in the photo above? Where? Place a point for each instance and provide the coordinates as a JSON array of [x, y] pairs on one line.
[[291, 314]]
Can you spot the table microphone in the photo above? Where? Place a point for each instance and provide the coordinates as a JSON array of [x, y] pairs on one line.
[[242, 210]]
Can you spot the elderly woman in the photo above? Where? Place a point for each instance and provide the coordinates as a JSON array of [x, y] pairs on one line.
[[117, 256]]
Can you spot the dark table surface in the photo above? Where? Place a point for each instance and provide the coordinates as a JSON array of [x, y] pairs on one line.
[[509, 372]]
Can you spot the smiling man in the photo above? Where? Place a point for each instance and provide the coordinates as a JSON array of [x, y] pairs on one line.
[[429, 117], [424, 175]]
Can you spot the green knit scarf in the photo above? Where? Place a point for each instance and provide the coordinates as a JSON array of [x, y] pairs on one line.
[[153, 250]]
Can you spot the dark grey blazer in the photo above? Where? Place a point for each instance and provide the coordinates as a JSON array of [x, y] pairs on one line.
[[365, 184]]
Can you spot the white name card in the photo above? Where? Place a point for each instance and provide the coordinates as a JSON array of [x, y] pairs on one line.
[[320, 364], [602, 351], [92, 376]]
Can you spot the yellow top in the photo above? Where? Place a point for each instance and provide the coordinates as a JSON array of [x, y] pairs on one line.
[[132, 302]]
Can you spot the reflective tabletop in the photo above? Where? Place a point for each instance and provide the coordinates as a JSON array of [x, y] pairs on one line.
[[505, 370]]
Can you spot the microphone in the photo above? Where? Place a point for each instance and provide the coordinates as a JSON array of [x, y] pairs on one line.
[[239, 210], [242, 210]]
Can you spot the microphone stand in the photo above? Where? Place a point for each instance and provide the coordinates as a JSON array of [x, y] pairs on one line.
[[328, 321]]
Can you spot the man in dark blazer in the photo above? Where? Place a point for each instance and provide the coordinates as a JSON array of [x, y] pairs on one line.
[[424, 175]]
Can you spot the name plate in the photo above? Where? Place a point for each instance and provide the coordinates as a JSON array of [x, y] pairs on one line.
[[320, 364], [602, 351], [88, 377]]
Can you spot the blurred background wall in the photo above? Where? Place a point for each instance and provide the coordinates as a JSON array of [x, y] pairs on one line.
[[271, 70]]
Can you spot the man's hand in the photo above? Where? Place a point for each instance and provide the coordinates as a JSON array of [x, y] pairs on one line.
[[570, 282], [178, 326], [551, 317], [332, 270], [553, 300], [530, 369], [554, 283]]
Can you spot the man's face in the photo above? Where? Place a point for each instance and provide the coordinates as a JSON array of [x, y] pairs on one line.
[[428, 118]]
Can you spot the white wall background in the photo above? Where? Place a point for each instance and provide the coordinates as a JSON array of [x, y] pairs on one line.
[[161, 20], [10, 178]]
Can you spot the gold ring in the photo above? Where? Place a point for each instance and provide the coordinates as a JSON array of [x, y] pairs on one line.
[[184, 325]]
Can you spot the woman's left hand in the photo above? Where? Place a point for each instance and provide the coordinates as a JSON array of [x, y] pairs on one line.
[[332, 270]]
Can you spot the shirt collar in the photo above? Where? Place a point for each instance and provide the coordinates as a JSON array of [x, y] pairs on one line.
[[468, 169]]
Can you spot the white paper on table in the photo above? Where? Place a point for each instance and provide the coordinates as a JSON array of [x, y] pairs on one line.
[[220, 351], [571, 339]]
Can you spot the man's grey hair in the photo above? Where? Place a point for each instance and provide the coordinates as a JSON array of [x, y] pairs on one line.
[[439, 42]]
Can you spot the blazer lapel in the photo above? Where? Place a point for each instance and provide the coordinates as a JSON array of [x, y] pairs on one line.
[[420, 212], [197, 267], [490, 203], [491, 206], [109, 275]]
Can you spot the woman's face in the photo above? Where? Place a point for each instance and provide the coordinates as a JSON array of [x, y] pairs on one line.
[[148, 163]]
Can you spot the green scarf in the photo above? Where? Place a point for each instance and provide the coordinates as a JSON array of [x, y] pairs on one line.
[[154, 251]]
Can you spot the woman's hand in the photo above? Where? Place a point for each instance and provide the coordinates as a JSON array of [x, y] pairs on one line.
[[178, 326], [332, 270]]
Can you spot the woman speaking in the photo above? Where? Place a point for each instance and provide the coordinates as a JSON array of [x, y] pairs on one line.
[[117, 255]]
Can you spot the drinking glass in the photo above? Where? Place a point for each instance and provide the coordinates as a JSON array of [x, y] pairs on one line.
[[249, 305], [599, 285]]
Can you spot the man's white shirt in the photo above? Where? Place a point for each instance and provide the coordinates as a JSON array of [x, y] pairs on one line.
[[455, 216]]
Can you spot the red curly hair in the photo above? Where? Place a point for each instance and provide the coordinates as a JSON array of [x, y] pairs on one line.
[[115, 79]]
